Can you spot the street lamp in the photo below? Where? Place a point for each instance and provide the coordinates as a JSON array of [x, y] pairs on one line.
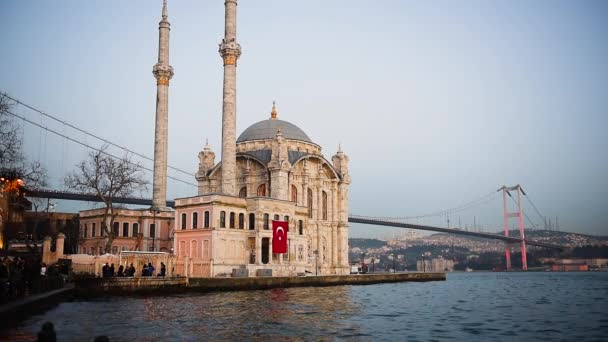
[[154, 211], [363, 263]]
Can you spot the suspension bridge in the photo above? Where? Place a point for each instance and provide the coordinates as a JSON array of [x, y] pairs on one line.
[[397, 222]]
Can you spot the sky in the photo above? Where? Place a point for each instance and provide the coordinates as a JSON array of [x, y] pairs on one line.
[[436, 103]]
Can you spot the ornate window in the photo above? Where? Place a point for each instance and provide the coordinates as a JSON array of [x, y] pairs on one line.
[[115, 228], [276, 217], [241, 221], [243, 192], [222, 219], [266, 219], [184, 219], [300, 253], [194, 220], [86, 231], [135, 229], [152, 230], [231, 220], [93, 231], [294, 193], [206, 219], [286, 219], [262, 190], [300, 227], [125, 229], [251, 221], [309, 203], [324, 205]]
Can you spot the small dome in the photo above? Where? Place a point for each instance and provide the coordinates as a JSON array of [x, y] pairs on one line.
[[267, 129]]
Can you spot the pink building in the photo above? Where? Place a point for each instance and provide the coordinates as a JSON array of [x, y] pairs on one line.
[[133, 229]]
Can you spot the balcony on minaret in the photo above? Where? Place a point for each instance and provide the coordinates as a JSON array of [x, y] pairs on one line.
[[340, 162], [206, 161]]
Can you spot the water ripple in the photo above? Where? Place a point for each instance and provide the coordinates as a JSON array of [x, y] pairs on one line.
[[474, 307]]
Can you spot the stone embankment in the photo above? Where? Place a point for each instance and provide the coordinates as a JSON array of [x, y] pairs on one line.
[[152, 285]]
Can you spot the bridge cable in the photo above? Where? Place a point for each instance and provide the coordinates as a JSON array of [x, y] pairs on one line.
[[91, 147], [533, 206], [481, 200], [93, 135], [526, 215]]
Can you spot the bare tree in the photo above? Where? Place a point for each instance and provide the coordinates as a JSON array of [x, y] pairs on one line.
[[107, 177], [10, 140], [13, 163]]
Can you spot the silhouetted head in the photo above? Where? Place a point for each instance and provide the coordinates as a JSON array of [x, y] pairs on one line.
[[47, 333]]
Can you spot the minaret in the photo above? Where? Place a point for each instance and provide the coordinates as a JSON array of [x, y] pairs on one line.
[[230, 51], [163, 73]]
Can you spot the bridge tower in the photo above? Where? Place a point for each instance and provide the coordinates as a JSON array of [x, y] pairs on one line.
[[519, 214]]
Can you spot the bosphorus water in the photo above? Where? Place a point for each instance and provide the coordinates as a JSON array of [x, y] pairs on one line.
[[466, 307]]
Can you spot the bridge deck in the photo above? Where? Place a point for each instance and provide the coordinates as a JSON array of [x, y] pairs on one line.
[[64, 195]]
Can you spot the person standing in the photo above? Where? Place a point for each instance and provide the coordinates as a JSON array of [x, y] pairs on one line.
[[163, 269], [150, 269]]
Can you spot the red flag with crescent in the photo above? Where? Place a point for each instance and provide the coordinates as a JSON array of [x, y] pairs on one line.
[[279, 237]]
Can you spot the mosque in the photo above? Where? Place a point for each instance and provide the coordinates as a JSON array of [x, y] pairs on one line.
[[272, 172]]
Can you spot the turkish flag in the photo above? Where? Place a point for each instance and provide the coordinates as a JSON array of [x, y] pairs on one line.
[[279, 237]]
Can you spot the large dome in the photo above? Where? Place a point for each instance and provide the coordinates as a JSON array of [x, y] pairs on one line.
[[267, 129]]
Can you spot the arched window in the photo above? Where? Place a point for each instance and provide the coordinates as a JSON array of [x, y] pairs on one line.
[[193, 252], [262, 190], [266, 219], [276, 217], [300, 227], [286, 219], [294, 193], [115, 229], [243, 192], [241, 221], [309, 199], [194, 220], [184, 218], [135, 229], [324, 194], [231, 220], [125, 229], [251, 221], [206, 223], [222, 219]]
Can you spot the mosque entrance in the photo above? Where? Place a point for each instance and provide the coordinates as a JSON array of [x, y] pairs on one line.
[[265, 250]]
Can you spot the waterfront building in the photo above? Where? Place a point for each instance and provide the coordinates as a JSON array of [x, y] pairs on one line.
[[435, 265], [273, 171]]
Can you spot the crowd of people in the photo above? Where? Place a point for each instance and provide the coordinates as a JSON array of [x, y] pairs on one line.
[[108, 271], [21, 276]]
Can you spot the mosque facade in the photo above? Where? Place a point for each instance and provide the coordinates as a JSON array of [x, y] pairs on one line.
[[273, 171]]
